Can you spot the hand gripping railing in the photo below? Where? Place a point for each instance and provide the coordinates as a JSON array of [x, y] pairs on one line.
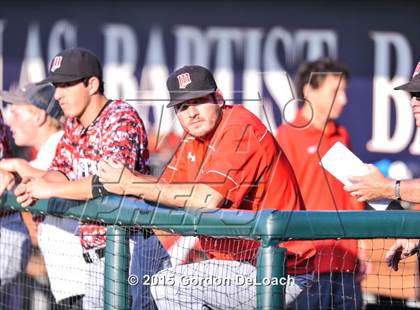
[[269, 226]]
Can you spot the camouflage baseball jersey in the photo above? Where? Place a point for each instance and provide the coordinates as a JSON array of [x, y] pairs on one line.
[[116, 133]]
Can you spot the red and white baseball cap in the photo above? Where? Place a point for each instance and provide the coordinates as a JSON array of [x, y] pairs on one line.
[[73, 64], [189, 82]]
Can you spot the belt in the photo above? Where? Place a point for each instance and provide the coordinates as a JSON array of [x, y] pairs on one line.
[[147, 232], [100, 253]]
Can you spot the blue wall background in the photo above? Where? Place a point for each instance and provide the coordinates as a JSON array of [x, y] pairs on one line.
[[378, 40]]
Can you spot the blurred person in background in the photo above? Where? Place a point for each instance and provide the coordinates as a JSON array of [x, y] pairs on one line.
[[15, 241], [322, 84], [34, 119]]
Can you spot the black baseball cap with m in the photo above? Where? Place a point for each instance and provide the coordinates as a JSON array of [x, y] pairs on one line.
[[189, 82], [72, 65]]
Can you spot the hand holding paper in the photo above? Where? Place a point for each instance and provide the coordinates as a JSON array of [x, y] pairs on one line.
[[371, 186]]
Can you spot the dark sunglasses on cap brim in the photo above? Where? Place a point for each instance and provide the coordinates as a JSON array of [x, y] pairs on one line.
[[416, 95]]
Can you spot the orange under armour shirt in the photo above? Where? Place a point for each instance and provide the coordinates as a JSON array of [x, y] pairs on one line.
[[243, 162]]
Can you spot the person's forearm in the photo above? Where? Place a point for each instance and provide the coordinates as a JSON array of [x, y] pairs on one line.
[[387, 190], [75, 190], [177, 195], [54, 176], [410, 190], [24, 169]]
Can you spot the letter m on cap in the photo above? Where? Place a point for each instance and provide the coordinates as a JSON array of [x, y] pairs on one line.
[[56, 63], [183, 80]]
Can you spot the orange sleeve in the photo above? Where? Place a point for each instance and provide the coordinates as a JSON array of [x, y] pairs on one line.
[[282, 138], [280, 134]]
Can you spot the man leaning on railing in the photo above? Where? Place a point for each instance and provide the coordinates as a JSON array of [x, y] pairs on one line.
[[227, 159], [95, 128]]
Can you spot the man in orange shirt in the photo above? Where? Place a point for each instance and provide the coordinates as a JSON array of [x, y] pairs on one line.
[[322, 84], [227, 159]]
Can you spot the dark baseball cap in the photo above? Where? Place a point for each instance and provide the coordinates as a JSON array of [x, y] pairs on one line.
[[74, 64], [189, 82], [40, 95], [413, 86]]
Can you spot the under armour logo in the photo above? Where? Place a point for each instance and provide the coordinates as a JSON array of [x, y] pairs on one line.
[[312, 149], [191, 156], [183, 80], [56, 63]]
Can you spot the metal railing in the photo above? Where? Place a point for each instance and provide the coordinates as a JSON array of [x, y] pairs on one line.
[[270, 227]]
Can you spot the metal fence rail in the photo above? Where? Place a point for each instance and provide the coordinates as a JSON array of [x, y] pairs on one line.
[[268, 226]]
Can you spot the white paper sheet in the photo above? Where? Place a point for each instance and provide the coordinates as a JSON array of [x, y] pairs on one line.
[[342, 163]]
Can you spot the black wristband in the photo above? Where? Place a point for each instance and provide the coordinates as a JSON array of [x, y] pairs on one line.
[[98, 188]]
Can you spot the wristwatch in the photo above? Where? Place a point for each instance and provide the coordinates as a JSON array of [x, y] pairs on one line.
[[397, 189]]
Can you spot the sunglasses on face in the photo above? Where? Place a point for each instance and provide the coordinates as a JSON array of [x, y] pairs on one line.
[[69, 84], [415, 95]]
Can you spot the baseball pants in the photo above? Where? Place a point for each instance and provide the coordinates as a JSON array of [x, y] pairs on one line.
[[214, 284], [147, 258]]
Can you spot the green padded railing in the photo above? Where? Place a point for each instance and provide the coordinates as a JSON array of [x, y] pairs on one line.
[[269, 226]]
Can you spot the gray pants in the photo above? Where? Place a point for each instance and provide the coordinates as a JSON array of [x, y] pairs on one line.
[[15, 246], [147, 258], [15, 249], [218, 284]]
